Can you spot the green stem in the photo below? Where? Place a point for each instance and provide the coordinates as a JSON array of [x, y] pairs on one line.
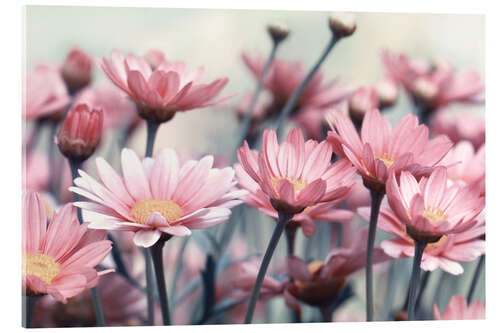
[[157, 256], [285, 112], [475, 279], [423, 285], [152, 130], [149, 286], [249, 112], [283, 218], [376, 198], [415, 278]]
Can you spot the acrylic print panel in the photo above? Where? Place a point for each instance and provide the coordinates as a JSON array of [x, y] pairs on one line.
[[251, 167]]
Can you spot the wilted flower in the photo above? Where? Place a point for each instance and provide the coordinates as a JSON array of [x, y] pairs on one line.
[[45, 94], [59, 259], [296, 174], [458, 309], [158, 195], [77, 70], [382, 149], [159, 94], [80, 132]]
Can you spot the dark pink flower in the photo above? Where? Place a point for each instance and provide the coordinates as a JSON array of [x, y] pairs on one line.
[[80, 132], [77, 70]]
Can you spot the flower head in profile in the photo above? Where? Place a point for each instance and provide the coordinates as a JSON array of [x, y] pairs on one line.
[[382, 149], [317, 283], [435, 86], [162, 92], [158, 195], [59, 259], [460, 126], [257, 198], [45, 94], [430, 208], [446, 254], [458, 309], [80, 132], [296, 174]]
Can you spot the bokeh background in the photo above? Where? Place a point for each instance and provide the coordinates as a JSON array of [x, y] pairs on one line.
[[215, 39]]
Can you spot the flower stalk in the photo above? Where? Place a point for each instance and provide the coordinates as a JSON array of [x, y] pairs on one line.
[[475, 279], [376, 201], [157, 256], [283, 218], [415, 278]]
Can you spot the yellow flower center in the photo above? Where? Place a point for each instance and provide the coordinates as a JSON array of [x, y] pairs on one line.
[[41, 266], [434, 214], [386, 158], [167, 208], [298, 184], [313, 267]]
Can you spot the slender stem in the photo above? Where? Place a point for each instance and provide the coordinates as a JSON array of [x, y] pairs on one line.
[[390, 289], [28, 303], [326, 313], [149, 286], [423, 284], [278, 230], [475, 279], [249, 112], [178, 270], [157, 256], [285, 112], [415, 278], [375, 208], [152, 129], [290, 232], [74, 166]]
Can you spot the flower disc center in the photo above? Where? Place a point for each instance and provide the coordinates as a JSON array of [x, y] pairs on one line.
[[41, 266], [167, 208]]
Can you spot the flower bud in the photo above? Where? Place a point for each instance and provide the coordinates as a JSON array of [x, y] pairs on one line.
[[278, 31], [424, 90], [362, 100], [77, 70], [80, 132], [342, 24], [387, 92]]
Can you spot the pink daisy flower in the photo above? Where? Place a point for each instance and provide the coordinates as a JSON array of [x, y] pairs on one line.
[[159, 94], [59, 259], [465, 166], [382, 149], [45, 93], [458, 309], [460, 126], [158, 195], [445, 254], [296, 174], [257, 198], [430, 208], [437, 85]]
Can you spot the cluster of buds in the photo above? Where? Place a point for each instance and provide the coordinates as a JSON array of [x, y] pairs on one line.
[[77, 70], [80, 132]]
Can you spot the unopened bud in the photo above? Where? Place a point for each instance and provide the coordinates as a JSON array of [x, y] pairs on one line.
[[278, 31], [387, 92], [80, 132], [424, 90], [342, 24], [362, 100], [77, 70]]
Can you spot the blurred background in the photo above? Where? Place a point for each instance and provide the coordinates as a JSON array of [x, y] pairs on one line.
[[216, 38]]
